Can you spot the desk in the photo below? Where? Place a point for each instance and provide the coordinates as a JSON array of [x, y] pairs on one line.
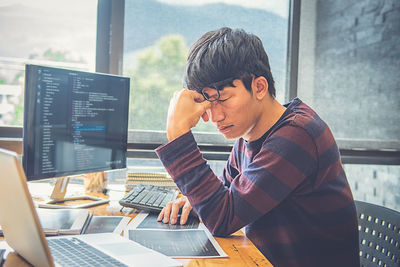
[[240, 250]]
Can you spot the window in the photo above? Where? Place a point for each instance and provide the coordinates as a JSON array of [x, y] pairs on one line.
[[346, 69], [348, 72], [46, 32], [349, 68], [382, 190], [159, 33]]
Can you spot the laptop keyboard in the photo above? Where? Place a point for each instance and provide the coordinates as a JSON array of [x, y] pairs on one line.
[[148, 197], [75, 252]]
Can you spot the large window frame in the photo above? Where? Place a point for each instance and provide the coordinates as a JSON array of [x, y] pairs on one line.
[[141, 144]]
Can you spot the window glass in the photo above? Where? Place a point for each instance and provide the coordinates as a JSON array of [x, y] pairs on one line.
[[58, 33], [349, 73], [158, 35], [378, 184], [355, 71]]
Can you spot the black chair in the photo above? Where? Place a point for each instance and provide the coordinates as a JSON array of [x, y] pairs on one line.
[[379, 232]]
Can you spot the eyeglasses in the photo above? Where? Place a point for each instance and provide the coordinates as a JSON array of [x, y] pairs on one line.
[[211, 93]]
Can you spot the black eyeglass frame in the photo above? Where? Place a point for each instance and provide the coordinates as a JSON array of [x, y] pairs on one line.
[[208, 98], [216, 86]]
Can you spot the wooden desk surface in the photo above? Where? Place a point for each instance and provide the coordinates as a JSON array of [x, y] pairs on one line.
[[240, 250]]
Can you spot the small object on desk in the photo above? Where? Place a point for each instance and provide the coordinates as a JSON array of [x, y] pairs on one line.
[[148, 178], [95, 182], [148, 197], [63, 221]]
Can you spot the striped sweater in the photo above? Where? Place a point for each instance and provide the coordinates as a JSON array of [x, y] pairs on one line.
[[288, 188]]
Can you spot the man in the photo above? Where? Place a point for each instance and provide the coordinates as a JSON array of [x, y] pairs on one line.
[[284, 180]]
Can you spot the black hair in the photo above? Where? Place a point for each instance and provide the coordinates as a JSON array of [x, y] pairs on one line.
[[221, 56]]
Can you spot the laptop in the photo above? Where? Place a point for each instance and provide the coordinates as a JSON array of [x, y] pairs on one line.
[[24, 234]]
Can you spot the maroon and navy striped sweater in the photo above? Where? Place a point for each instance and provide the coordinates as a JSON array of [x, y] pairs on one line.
[[288, 188]]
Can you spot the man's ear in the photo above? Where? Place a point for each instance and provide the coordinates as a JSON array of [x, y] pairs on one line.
[[260, 87]]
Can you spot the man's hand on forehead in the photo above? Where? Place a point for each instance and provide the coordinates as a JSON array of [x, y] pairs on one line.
[[185, 109], [198, 98]]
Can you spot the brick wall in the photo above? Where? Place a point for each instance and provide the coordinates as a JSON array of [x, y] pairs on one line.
[[357, 67]]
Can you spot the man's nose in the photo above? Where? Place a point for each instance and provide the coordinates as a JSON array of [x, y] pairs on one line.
[[215, 112]]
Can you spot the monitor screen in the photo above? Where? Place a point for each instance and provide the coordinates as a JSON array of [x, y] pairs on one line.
[[74, 122]]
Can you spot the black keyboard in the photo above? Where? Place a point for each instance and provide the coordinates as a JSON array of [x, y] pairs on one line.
[[74, 252], [148, 197]]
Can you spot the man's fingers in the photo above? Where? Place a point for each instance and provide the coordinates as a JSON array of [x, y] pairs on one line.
[[176, 206], [205, 116], [198, 98], [201, 105], [204, 106], [185, 212], [170, 212], [167, 212], [160, 215]]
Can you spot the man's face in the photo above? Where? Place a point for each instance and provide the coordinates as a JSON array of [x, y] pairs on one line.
[[236, 113]]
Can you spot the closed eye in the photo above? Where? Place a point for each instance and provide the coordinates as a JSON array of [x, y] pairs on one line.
[[222, 100]]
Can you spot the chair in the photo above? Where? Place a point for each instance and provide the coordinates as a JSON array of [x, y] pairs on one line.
[[379, 232]]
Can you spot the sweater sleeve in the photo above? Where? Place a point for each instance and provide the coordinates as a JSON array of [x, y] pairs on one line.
[[226, 205]]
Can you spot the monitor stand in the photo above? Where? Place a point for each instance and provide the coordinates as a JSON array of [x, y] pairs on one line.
[[57, 198]]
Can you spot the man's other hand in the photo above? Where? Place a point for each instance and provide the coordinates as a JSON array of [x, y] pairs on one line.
[[170, 212]]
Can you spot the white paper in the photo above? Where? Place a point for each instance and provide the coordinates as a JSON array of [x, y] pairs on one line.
[[174, 240]]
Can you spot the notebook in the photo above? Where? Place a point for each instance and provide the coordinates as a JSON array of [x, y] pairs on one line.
[[24, 234]]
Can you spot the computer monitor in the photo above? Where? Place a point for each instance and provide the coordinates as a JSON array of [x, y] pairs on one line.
[[75, 122]]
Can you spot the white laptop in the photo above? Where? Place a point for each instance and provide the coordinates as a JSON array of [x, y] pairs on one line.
[[23, 232]]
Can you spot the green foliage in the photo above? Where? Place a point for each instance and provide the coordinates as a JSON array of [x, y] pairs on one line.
[[54, 55], [19, 113], [48, 54], [18, 75], [158, 73], [156, 76]]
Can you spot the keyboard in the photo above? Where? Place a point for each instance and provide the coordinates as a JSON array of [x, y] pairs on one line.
[[75, 252], [148, 197]]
